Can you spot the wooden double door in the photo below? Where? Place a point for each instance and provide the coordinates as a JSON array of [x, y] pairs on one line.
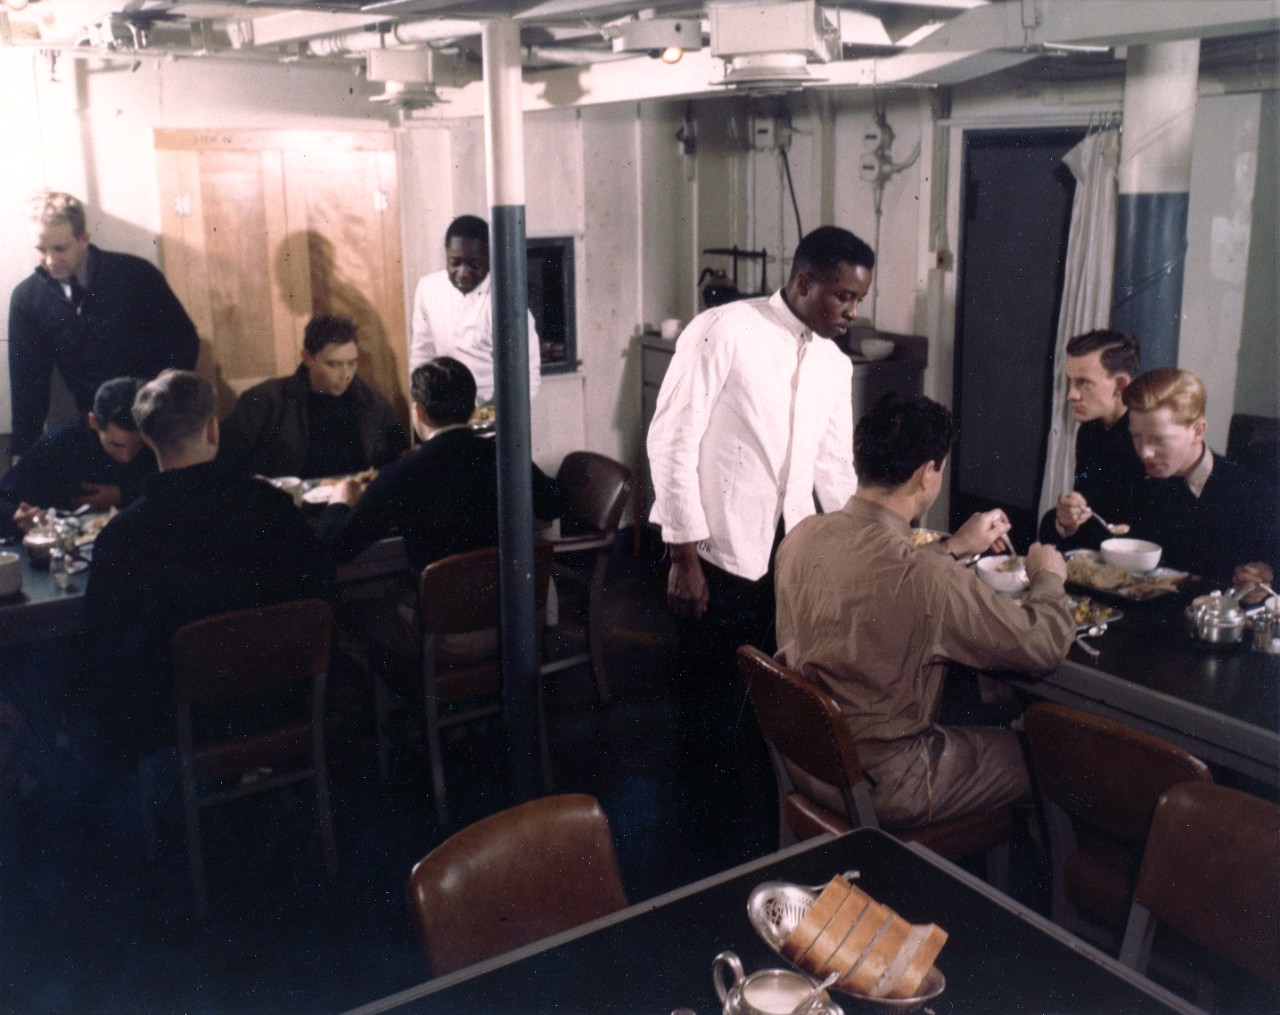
[[261, 230]]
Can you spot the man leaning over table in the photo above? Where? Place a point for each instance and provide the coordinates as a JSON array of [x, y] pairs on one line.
[[97, 460], [90, 313], [322, 420], [442, 498], [1211, 516], [1100, 365], [878, 622], [201, 540], [453, 310]]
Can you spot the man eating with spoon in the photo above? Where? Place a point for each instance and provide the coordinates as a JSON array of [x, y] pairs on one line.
[[1100, 366]]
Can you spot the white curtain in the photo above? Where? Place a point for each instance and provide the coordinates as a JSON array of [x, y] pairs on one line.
[[1086, 290]]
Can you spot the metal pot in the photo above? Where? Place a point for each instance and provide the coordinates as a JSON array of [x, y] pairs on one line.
[[1215, 620], [719, 290], [767, 992], [39, 544]]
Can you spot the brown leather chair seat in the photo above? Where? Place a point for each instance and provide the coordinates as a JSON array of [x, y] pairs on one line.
[[244, 658], [513, 878], [1209, 872], [595, 489], [1099, 781], [802, 724], [456, 596]]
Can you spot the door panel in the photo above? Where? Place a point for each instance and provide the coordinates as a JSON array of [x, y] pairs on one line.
[[1017, 209], [262, 230]]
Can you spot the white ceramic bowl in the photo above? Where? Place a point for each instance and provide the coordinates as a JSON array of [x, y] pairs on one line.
[[1136, 556], [876, 348], [995, 572]]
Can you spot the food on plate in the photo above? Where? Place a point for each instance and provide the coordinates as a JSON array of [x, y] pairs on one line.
[[922, 537], [1086, 611], [1085, 570], [318, 494], [871, 949], [1086, 567], [1152, 587], [483, 414], [1011, 564]]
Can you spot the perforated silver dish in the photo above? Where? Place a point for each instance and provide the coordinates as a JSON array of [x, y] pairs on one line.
[[776, 907]]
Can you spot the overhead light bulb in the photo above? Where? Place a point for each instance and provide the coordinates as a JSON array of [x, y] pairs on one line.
[[672, 54]]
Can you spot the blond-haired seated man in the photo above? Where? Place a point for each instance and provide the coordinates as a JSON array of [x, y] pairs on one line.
[[1213, 517]]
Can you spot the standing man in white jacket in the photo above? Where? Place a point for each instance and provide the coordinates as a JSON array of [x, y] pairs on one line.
[[453, 310], [754, 419]]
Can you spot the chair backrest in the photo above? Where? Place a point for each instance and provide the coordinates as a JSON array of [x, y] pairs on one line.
[[1209, 872], [1102, 772], [515, 877], [250, 652], [1254, 442], [595, 489], [462, 592], [800, 720]]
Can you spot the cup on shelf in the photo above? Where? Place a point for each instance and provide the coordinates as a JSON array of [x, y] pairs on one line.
[[10, 573]]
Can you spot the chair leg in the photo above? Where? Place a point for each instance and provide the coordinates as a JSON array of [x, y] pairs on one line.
[[146, 797], [1135, 948], [436, 761], [544, 749], [381, 720], [998, 867], [195, 852], [320, 774], [595, 623]]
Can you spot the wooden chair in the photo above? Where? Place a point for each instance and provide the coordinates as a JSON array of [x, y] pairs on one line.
[[457, 595], [595, 491], [512, 878], [803, 725], [1209, 872], [241, 660], [1099, 781]]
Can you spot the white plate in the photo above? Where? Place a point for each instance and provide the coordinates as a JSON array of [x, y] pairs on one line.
[[776, 907]]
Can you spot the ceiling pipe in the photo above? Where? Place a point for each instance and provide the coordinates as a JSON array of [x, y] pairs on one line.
[[407, 34]]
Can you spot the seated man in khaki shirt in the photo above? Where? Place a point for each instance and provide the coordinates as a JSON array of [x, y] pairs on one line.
[[877, 622]]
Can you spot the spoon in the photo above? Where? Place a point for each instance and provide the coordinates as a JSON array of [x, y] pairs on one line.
[[1116, 530], [809, 998]]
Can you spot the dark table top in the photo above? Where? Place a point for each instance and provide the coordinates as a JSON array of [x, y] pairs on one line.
[[656, 957], [42, 610], [1223, 705]]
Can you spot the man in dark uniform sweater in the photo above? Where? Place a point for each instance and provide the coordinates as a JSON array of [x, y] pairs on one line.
[[98, 460], [91, 313], [443, 498], [1100, 365], [1212, 517], [202, 540], [322, 420]]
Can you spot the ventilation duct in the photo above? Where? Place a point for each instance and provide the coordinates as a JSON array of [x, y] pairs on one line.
[[771, 44]]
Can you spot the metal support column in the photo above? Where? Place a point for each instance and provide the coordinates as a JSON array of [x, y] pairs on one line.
[[504, 165], [1160, 90]]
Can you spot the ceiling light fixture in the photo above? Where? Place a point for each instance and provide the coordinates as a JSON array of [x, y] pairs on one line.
[[665, 39]]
